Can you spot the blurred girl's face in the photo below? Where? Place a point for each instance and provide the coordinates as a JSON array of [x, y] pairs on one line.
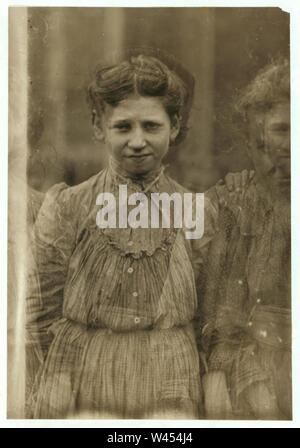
[[137, 133], [272, 161]]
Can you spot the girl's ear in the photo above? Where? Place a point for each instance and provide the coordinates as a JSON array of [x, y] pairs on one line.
[[98, 128], [175, 128]]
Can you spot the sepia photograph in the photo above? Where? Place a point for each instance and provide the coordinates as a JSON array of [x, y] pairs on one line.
[[149, 214]]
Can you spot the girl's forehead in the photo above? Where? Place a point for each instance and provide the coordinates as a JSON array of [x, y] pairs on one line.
[[277, 110], [280, 111], [136, 107]]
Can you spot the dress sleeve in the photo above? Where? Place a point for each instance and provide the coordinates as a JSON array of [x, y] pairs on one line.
[[224, 316], [200, 254], [200, 246], [53, 241], [221, 218]]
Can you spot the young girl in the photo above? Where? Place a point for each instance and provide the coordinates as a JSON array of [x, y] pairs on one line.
[[117, 305]]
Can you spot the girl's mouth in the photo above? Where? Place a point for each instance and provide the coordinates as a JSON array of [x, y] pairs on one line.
[[139, 157]]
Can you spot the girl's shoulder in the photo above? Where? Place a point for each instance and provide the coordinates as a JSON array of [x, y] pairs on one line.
[[78, 194], [71, 201], [173, 186], [88, 186]]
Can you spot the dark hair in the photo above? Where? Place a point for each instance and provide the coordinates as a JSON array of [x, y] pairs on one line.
[[146, 76], [270, 85]]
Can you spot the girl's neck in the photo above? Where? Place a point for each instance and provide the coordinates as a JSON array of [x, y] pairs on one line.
[[139, 178]]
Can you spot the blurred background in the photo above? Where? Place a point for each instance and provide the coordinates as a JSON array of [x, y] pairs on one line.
[[222, 47]]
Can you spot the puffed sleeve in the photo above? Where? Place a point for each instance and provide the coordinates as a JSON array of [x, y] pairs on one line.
[[53, 241]]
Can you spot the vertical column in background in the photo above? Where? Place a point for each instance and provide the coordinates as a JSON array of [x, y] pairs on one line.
[[54, 41], [114, 30], [197, 47], [47, 96], [17, 199]]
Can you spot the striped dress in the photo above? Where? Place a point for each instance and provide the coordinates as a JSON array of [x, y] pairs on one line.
[[246, 306], [113, 311]]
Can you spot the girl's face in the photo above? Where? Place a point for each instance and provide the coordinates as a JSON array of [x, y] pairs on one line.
[[137, 133], [273, 162]]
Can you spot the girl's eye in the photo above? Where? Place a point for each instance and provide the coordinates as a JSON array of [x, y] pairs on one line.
[[151, 126], [280, 128], [122, 127]]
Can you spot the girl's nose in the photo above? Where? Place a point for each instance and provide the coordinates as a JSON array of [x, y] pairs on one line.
[[137, 139]]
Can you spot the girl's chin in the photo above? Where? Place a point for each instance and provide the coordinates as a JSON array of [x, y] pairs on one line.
[[141, 169]]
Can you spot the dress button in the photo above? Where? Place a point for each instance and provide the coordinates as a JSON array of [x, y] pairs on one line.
[[130, 270], [263, 333], [240, 282], [130, 243], [135, 294], [258, 301], [250, 324], [137, 320]]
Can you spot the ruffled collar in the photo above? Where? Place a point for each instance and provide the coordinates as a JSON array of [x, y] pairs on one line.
[[144, 184], [138, 242]]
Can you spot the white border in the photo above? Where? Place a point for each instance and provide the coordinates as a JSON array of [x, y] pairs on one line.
[[291, 6]]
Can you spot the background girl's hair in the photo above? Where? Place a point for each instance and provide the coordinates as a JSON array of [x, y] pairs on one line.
[[145, 75], [271, 83]]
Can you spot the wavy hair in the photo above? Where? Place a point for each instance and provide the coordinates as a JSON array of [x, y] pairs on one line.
[[146, 76]]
